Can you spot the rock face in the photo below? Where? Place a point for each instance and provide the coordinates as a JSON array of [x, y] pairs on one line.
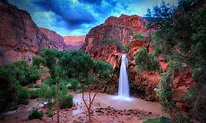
[[20, 38], [135, 22], [56, 39], [95, 38], [74, 42], [120, 30]]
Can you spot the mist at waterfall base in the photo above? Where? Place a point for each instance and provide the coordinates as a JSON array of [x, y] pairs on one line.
[[123, 88]]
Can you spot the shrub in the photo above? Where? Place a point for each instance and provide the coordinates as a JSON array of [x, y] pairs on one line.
[[190, 96], [50, 112], [32, 75], [46, 91], [144, 61], [74, 84], [138, 36], [174, 65], [200, 105], [35, 114], [126, 49], [156, 52], [157, 120], [199, 75], [34, 94], [116, 42], [37, 61], [23, 96], [63, 86], [48, 81], [66, 101]]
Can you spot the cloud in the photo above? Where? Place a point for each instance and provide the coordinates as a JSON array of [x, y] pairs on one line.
[[77, 17], [97, 2], [71, 13]]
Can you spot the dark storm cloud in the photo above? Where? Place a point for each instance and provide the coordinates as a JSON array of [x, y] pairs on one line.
[[97, 2], [77, 17], [72, 15]]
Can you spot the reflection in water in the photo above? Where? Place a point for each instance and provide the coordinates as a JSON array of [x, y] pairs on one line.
[[77, 111]]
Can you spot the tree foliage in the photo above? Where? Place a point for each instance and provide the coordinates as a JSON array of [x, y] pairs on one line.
[[181, 34], [12, 76], [144, 61], [68, 68], [138, 36]]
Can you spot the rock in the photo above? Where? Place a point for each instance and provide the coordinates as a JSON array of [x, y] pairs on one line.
[[56, 39], [75, 121], [20, 38], [96, 36], [135, 22], [74, 42]]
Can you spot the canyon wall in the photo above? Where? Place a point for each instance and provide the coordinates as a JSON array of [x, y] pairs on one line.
[[20, 38], [56, 39], [135, 22], [121, 29], [118, 31], [74, 42]]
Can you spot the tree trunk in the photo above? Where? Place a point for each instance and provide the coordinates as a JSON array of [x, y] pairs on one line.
[[57, 102]]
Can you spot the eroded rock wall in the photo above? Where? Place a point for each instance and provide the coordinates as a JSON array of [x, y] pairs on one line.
[[56, 39], [20, 37]]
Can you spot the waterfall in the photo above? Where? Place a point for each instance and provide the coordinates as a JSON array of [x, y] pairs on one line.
[[123, 89]]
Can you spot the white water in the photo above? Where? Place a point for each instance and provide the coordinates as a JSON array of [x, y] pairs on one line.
[[123, 88]]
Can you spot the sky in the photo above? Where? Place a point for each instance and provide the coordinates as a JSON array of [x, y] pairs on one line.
[[77, 17]]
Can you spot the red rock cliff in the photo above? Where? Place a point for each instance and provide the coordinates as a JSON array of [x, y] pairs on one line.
[[74, 42], [19, 36], [119, 29], [55, 38], [135, 22]]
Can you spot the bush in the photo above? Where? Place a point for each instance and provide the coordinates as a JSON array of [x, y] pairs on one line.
[[144, 61], [37, 61], [74, 84], [158, 120], [156, 52], [46, 91], [138, 36], [35, 114], [34, 94], [32, 76], [23, 96], [200, 105], [63, 86], [174, 65], [190, 96], [116, 42], [199, 75], [48, 81], [65, 101], [50, 113]]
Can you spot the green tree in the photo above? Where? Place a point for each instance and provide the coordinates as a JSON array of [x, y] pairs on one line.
[[88, 72], [181, 33], [144, 61], [51, 58]]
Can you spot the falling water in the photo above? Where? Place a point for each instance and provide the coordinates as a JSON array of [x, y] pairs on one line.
[[123, 90]]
